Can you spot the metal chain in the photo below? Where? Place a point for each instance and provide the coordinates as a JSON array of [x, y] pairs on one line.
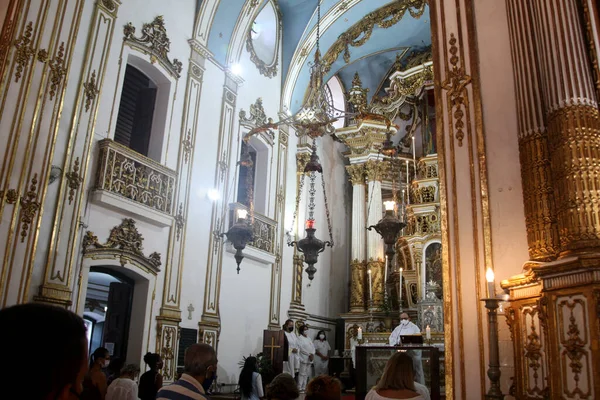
[[311, 196], [298, 197], [327, 210], [250, 190], [318, 23]]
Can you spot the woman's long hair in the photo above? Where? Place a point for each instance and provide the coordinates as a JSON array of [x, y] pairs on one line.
[[398, 373], [245, 381]]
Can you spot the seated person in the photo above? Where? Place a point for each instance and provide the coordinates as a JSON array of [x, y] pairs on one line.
[[282, 387], [397, 381], [324, 387]]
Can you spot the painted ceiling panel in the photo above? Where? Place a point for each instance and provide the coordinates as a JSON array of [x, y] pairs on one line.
[[222, 28], [296, 14]]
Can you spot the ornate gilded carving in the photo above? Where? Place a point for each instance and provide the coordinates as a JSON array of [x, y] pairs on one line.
[[126, 240], [154, 42], [574, 136], [592, 49], [128, 174], [574, 344], [403, 86], [90, 90], [424, 194], [376, 170], [24, 50], [73, 180], [264, 69], [509, 314], [360, 33], [298, 268], [357, 285], [57, 70], [257, 117], [357, 173], [533, 355], [456, 85], [301, 161], [109, 4], [42, 55], [12, 196], [29, 206], [179, 221], [423, 224], [168, 352], [187, 146], [542, 308], [377, 289], [358, 95]]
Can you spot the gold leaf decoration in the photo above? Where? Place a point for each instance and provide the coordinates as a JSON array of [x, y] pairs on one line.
[[29, 206], [90, 90], [73, 180], [24, 51], [57, 70]]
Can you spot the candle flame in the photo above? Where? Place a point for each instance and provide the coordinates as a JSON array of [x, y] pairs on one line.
[[489, 275]]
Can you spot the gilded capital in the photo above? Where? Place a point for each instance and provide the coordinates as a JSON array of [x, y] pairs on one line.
[[357, 173], [376, 170], [301, 161]]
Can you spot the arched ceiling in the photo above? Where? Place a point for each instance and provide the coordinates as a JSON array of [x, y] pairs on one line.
[[372, 60]]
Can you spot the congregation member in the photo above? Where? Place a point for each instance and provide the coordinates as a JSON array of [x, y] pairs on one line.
[[282, 387], [324, 387], [124, 387], [322, 350], [406, 327], [397, 381], [250, 381], [63, 333], [114, 369], [291, 358], [307, 354], [200, 365], [151, 381], [95, 382]]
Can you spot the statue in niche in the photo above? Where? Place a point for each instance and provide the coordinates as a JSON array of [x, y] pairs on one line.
[[429, 136], [433, 266]]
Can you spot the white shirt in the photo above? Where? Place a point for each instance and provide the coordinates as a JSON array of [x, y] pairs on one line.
[[408, 329], [306, 348], [293, 358], [322, 347], [122, 389], [373, 395]]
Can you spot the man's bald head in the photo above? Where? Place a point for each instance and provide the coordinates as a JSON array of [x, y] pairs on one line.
[[198, 358]]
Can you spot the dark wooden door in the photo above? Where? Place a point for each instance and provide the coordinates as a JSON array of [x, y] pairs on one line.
[[118, 314]]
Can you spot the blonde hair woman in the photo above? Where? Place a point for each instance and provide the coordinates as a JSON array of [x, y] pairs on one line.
[[397, 382]]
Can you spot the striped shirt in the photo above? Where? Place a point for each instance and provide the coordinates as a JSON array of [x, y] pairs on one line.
[[186, 388]]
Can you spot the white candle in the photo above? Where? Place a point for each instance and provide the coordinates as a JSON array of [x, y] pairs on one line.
[[414, 151], [400, 290], [407, 183], [370, 286], [491, 290], [359, 334], [428, 333], [387, 260]]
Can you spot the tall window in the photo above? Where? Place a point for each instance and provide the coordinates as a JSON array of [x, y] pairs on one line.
[[247, 176], [136, 111]]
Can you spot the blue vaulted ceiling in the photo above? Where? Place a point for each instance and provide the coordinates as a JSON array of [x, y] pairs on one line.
[[372, 60]]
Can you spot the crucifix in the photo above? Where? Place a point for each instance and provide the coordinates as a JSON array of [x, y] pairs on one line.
[[272, 347], [190, 310]]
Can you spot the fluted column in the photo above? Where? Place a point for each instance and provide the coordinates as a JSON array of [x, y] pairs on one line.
[[536, 173], [573, 123], [375, 171], [359, 236]]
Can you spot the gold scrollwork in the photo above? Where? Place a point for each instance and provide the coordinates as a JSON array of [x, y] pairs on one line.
[[154, 42], [29, 206], [301, 161], [376, 170], [360, 33], [73, 180], [179, 220], [510, 321], [357, 284], [269, 71], [24, 50], [12, 196], [357, 173], [574, 344], [258, 116], [532, 348], [57, 70], [424, 194], [90, 90], [168, 352], [456, 85], [298, 265], [187, 145], [109, 4]]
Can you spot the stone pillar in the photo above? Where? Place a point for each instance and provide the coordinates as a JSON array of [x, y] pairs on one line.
[[536, 173], [572, 121], [359, 236], [375, 253]]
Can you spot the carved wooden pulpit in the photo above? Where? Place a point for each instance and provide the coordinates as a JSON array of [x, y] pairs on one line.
[[273, 349]]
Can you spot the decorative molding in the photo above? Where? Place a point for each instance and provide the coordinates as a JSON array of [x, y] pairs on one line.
[[73, 180], [155, 43], [187, 145], [24, 51], [268, 70], [91, 90], [29, 206], [125, 242], [57, 70], [179, 221]]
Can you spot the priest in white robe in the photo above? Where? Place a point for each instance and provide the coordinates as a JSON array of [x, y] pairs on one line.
[[307, 355], [291, 357], [408, 328]]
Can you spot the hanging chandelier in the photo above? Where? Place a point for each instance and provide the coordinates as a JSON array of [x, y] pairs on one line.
[[389, 228], [310, 246]]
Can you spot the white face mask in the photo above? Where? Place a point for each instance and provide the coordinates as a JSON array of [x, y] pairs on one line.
[[404, 322], [321, 337], [106, 362]]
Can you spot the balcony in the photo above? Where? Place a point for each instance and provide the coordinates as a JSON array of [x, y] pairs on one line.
[[130, 181]]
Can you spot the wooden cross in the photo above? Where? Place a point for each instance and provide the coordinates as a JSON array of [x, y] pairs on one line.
[[190, 310], [272, 347]]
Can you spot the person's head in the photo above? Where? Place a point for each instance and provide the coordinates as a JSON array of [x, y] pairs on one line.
[[154, 361], [321, 335], [200, 361], [245, 381], [288, 326], [62, 339], [100, 358], [303, 330], [398, 373], [404, 319], [116, 365], [130, 371], [324, 387], [282, 387]]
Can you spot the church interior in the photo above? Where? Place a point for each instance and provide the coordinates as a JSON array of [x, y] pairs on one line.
[[202, 171]]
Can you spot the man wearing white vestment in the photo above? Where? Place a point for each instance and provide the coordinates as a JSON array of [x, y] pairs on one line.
[[408, 328], [306, 349], [291, 357]]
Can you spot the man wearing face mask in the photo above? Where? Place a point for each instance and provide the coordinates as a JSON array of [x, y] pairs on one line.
[[408, 328], [291, 358], [200, 369]]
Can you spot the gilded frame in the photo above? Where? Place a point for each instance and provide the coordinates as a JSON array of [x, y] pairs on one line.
[[267, 69]]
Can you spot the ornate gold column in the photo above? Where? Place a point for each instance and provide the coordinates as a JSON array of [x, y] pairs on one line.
[[375, 171], [572, 121], [536, 172], [359, 235]]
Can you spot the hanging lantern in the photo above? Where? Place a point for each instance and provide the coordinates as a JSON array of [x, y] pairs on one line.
[[239, 235], [389, 228]]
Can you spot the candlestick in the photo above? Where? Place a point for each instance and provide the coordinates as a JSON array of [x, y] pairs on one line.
[[491, 290], [370, 286], [428, 333], [359, 334]]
